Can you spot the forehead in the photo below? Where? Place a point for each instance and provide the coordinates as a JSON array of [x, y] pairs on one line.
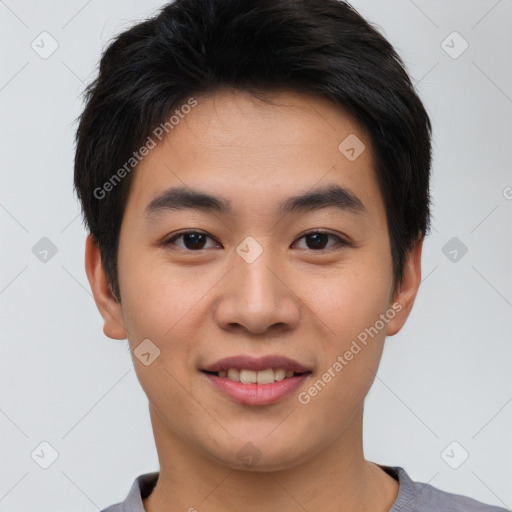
[[236, 146]]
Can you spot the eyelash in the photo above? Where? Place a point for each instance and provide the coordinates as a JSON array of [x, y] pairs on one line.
[[341, 242]]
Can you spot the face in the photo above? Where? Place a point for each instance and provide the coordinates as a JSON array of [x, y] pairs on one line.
[[257, 272]]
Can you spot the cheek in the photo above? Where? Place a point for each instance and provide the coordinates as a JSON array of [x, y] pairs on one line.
[[347, 299], [350, 307], [159, 305], [158, 297], [348, 360]]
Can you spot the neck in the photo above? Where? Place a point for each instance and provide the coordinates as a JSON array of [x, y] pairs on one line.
[[336, 479]]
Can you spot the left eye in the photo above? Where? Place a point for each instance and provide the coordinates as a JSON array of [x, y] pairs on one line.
[[318, 239], [195, 240]]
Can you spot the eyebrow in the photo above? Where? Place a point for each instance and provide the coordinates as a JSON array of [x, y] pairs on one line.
[[182, 198]]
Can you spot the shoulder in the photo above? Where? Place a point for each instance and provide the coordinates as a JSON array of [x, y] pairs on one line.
[[422, 497], [431, 498], [113, 508], [140, 489]]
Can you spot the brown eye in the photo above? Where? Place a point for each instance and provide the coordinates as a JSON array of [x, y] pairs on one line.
[[317, 240], [192, 240]]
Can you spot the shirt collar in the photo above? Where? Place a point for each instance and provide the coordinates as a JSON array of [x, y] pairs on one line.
[[144, 484]]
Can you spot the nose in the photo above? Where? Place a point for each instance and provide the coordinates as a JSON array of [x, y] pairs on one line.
[[258, 297]]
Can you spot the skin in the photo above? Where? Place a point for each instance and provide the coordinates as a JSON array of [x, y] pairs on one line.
[[294, 299]]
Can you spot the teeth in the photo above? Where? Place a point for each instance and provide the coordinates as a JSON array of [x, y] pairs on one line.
[[267, 376], [248, 376], [279, 374], [234, 374], [264, 377]]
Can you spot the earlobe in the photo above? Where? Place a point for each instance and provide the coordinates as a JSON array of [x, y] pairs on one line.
[[109, 308], [404, 300]]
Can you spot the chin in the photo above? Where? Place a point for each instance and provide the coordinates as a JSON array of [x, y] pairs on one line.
[[261, 454]]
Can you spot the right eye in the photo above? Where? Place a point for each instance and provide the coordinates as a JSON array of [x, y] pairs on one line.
[[192, 241]]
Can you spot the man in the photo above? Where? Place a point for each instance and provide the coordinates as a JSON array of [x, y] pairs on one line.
[[255, 181]]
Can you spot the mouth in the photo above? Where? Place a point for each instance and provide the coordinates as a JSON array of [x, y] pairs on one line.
[[256, 381]]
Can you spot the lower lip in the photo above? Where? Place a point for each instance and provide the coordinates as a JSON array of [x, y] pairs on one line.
[[256, 394]]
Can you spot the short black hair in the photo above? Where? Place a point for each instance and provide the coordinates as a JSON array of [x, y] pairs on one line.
[[194, 47]]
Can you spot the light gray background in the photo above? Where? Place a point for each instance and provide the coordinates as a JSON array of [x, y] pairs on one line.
[[445, 377]]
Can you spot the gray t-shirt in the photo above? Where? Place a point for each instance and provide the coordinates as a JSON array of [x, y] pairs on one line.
[[412, 496]]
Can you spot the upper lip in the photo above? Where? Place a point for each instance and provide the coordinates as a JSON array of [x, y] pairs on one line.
[[245, 362]]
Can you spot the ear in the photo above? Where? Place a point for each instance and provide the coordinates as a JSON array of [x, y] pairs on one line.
[[406, 295], [110, 309]]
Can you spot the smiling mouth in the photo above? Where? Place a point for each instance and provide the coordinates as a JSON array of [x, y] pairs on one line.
[[268, 376]]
